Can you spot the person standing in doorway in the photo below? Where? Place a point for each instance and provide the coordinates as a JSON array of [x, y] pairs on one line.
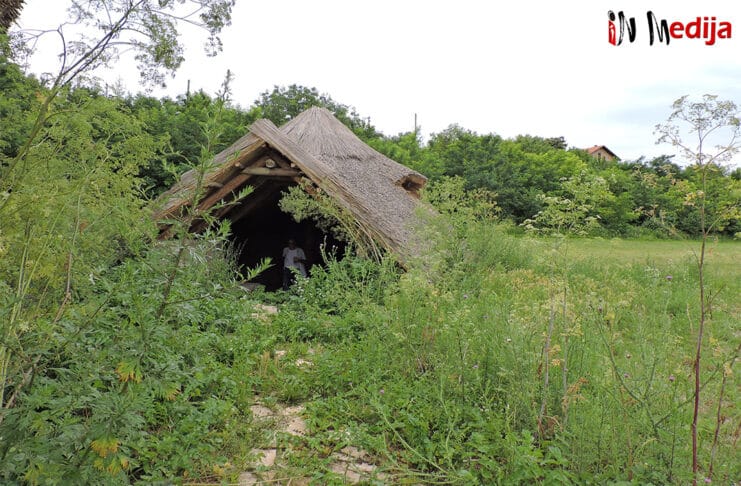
[[294, 259]]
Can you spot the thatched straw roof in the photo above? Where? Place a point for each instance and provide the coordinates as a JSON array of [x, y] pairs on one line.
[[10, 10], [317, 150]]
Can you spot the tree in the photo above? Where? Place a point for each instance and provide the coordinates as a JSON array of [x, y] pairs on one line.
[[148, 28], [284, 103], [103, 29], [17, 105], [714, 133], [539, 144], [405, 148], [181, 121], [576, 210]]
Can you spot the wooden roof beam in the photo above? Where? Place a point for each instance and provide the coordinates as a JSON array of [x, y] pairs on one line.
[[235, 183], [276, 172], [232, 185], [250, 204]]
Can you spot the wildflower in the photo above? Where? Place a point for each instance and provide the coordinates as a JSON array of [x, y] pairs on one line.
[[465, 296], [628, 355], [672, 378], [381, 391], [509, 340], [708, 480], [669, 278], [476, 366]]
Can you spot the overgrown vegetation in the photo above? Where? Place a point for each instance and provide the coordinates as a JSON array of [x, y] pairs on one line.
[[501, 358], [116, 362], [329, 217], [441, 375], [120, 393]]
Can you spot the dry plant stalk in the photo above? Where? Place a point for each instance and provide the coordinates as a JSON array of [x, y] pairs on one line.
[[546, 365]]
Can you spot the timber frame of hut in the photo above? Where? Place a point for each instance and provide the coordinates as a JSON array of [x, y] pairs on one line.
[[320, 154]]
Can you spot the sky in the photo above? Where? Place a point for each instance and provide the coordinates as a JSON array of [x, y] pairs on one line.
[[542, 68]]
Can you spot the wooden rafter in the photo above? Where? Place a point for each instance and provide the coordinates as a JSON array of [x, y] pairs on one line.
[[255, 200], [257, 186], [236, 182], [225, 164], [261, 186], [277, 172]]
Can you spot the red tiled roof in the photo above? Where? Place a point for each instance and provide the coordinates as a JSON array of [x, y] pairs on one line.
[[596, 148]]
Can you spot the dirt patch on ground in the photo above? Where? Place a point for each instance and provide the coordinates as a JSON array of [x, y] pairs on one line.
[[269, 464]]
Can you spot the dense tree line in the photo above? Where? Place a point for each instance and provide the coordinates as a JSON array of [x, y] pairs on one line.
[[533, 179], [532, 176]]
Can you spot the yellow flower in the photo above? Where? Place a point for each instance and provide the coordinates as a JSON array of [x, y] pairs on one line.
[[104, 446]]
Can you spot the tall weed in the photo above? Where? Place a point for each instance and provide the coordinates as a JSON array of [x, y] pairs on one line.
[[446, 380], [153, 398]]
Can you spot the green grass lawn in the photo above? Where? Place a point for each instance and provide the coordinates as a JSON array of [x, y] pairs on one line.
[[722, 257], [718, 253]]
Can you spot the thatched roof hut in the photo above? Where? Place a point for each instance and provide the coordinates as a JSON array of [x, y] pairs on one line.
[[10, 10], [317, 151]]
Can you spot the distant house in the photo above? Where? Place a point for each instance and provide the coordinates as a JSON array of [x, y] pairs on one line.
[[601, 152]]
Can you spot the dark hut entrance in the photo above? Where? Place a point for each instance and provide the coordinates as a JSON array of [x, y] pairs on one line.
[[265, 231]]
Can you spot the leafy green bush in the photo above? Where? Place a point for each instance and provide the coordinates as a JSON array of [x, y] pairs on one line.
[[125, 394], [120, 360]]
